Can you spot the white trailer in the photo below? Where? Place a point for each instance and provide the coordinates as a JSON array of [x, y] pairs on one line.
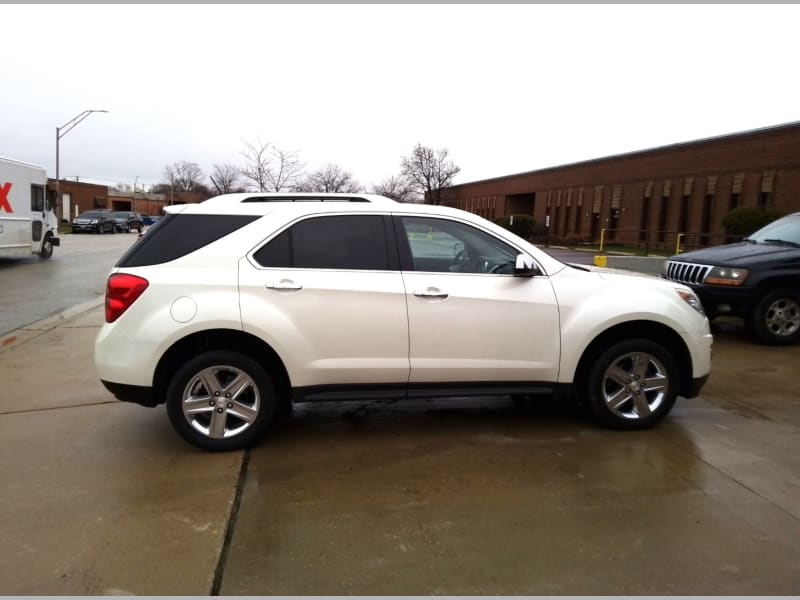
[[28, 222]]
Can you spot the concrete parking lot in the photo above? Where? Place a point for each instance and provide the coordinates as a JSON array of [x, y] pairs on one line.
[[462, 496]]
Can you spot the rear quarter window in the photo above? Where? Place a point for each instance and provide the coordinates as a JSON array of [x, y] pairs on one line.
[[175, 236]]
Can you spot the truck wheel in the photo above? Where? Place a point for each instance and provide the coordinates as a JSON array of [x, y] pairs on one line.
[[632, 385], [47, 247], [221, 400], [775, 321]]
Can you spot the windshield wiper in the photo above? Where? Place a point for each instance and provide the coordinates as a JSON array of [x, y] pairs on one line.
[[782, 243], [750, 241]]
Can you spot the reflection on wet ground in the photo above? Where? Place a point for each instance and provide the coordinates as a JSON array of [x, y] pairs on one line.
[[491, 496]]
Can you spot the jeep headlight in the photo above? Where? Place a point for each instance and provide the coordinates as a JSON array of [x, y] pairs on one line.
[[691, 299], [726, 276], [94, 221]]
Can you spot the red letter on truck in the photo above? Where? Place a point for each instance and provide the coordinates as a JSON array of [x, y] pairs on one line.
[[4, 205]]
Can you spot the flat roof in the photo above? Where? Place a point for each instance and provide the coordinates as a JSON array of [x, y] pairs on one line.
[[644, 152]]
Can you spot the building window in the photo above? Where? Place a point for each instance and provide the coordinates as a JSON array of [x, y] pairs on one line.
[[763, 200], [734, 201], [683, 217], [662, 218], [645, 220], [705, 220]]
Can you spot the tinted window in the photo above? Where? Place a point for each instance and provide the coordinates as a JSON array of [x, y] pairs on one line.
[[37, 198], [91, 215], [439, 245], [177, 235], [121, 215], [336, 242]]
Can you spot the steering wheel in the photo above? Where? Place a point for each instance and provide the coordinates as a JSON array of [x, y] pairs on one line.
[[506, 268]]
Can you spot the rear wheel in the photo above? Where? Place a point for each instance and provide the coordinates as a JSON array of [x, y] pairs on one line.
[[776, 318], [632, 385], [221, 400]]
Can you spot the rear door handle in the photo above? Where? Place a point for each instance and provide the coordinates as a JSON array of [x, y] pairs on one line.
[[431, 292], [283, 284]]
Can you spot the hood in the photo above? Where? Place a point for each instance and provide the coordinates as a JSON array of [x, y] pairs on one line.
[[738, 255]]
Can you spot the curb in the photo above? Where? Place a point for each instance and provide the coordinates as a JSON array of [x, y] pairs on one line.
[[37, 328]]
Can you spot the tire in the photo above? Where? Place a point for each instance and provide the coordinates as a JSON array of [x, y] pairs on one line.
[[613, 391], [775, 321], [47, 248], [205, 417]]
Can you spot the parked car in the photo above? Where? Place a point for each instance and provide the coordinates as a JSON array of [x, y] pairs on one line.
[[757, 279], [125, 220], [93, 221], [149, 220], [229, 309]]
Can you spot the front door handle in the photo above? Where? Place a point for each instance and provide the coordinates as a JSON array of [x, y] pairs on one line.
[[431, 292], [286, 285]]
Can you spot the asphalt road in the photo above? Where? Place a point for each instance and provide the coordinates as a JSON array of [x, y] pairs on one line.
[[33, 289]]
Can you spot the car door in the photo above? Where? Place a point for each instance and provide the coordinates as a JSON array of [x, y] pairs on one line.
[[327, 294], [470, 318]]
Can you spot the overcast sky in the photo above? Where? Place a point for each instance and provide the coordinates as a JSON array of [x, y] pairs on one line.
[[506, 89]]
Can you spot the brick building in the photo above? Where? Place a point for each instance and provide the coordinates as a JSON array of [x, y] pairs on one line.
[[647, 197], [78, 197]]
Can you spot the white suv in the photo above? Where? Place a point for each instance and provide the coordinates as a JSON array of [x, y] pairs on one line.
[[230, 309]]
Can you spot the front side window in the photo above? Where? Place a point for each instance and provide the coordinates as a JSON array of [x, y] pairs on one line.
[[440, 245], [37, 198], [333, 242]]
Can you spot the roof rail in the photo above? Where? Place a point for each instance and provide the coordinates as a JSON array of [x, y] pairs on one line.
[[304, 199]]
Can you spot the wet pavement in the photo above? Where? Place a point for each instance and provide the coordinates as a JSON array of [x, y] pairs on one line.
[[459, 496]]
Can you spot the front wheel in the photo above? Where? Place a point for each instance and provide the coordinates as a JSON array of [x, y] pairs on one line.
[[633, 384], [775, 321], [221, 400], [47, 248]]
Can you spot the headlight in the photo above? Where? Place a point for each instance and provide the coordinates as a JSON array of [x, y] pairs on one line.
[[94, 221], [726, 276], [691, 299]]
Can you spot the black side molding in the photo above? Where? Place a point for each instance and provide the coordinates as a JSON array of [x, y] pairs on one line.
[[132, 393], [402, 391]]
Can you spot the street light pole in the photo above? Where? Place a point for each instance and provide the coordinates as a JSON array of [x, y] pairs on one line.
[[61, 132]]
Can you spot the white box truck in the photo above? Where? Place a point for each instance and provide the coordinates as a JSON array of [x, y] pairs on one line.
[[28, 223]]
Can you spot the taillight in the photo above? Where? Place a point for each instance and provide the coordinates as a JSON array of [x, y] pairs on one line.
[[121, 291]]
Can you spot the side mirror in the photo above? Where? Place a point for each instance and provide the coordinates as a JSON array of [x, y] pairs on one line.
[[524, 266]]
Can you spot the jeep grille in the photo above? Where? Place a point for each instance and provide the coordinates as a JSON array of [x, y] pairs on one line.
[[686, 272]]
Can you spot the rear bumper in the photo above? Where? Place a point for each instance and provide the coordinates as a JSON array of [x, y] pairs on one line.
[[132, 393]]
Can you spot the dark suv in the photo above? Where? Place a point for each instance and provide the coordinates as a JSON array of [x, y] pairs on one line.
[[96, 221], [757, 279], [127, 221]]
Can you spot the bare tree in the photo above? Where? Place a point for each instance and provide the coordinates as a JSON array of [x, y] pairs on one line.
[[429, 171], [256, 169], [285, 169], [123, 187], [225, 177], [397, 188], [184, 176], [330, 178]]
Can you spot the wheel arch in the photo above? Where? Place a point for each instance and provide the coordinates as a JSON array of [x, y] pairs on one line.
[[651, 330], [221, 339]]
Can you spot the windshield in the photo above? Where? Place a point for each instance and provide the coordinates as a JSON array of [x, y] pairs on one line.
[[786, 229], [91, 215], [120, 215]]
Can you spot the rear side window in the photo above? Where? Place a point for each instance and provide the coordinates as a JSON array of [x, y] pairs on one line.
[[177, 235], [334, 242]]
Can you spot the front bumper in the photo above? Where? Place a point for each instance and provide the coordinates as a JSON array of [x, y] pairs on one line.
[[718, 300], [132, 393]]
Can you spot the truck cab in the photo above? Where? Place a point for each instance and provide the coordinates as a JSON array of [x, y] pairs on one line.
[[28, 222]]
